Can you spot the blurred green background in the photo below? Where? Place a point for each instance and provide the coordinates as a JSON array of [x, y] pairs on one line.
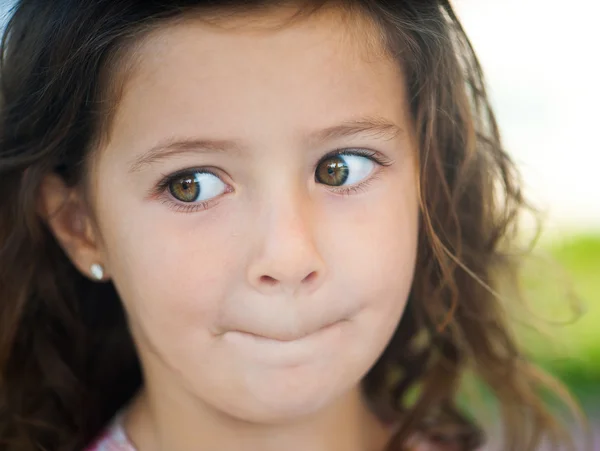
[[561, 285], [557, 321]]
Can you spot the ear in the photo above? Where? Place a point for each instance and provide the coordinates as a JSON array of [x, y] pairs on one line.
[[68, 217]]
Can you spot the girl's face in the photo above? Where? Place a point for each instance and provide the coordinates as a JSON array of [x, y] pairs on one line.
[[262, 274]]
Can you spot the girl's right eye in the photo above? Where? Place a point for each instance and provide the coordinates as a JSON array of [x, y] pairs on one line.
[[195, 186]]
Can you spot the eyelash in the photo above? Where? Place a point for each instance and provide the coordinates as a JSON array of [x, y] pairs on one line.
[[162, 188]]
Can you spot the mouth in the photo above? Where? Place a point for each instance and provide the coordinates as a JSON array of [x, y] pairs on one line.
[[289, 349], [287, 337]]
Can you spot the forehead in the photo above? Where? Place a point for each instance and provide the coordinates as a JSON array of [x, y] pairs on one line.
[[217, 72]]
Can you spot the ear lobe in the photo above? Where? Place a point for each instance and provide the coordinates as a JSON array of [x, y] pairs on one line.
[[66, 213]]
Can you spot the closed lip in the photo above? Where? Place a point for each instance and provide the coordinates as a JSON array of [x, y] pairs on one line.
[[287, 337]]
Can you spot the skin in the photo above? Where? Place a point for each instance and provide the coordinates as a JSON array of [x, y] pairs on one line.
[[228, 304]]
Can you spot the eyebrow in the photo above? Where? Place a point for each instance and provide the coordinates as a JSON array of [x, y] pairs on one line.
[[380, 127], [172, 147]]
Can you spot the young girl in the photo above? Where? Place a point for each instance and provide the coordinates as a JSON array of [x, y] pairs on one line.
[[252, 225]]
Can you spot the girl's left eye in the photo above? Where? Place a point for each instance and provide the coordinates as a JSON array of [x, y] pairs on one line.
[[196, 186], [344, 168]]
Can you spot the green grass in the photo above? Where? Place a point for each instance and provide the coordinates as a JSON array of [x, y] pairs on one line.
[[563, 292]]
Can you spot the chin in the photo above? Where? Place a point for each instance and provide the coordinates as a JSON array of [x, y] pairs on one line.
[[278, 410], [289, 396]]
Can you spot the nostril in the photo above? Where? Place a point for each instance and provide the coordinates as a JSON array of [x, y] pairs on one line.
[[268, 280], [310, 277]]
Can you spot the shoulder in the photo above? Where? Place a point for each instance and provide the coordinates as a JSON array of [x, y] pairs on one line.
[[113, 438]]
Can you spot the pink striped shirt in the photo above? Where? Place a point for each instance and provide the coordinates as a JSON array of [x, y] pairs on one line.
[[112, 439]]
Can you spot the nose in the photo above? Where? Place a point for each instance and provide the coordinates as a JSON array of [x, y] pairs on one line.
[[287, 260]]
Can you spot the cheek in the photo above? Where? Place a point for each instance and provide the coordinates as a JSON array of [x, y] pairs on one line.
[[171, 270], [373, 261], [380, 249]]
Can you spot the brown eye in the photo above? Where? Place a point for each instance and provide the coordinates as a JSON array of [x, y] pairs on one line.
[[332, 171], [344, 169], [196, 186], [185, 189]]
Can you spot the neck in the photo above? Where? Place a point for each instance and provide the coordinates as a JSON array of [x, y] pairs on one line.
[[155, 424]]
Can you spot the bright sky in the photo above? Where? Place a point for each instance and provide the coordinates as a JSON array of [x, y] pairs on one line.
[[543, 69], [541, 58]]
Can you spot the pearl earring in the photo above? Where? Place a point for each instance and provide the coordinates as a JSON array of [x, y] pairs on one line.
[[97, 271]]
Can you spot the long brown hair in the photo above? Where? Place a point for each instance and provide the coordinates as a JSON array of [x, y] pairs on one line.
[[67, 361]]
